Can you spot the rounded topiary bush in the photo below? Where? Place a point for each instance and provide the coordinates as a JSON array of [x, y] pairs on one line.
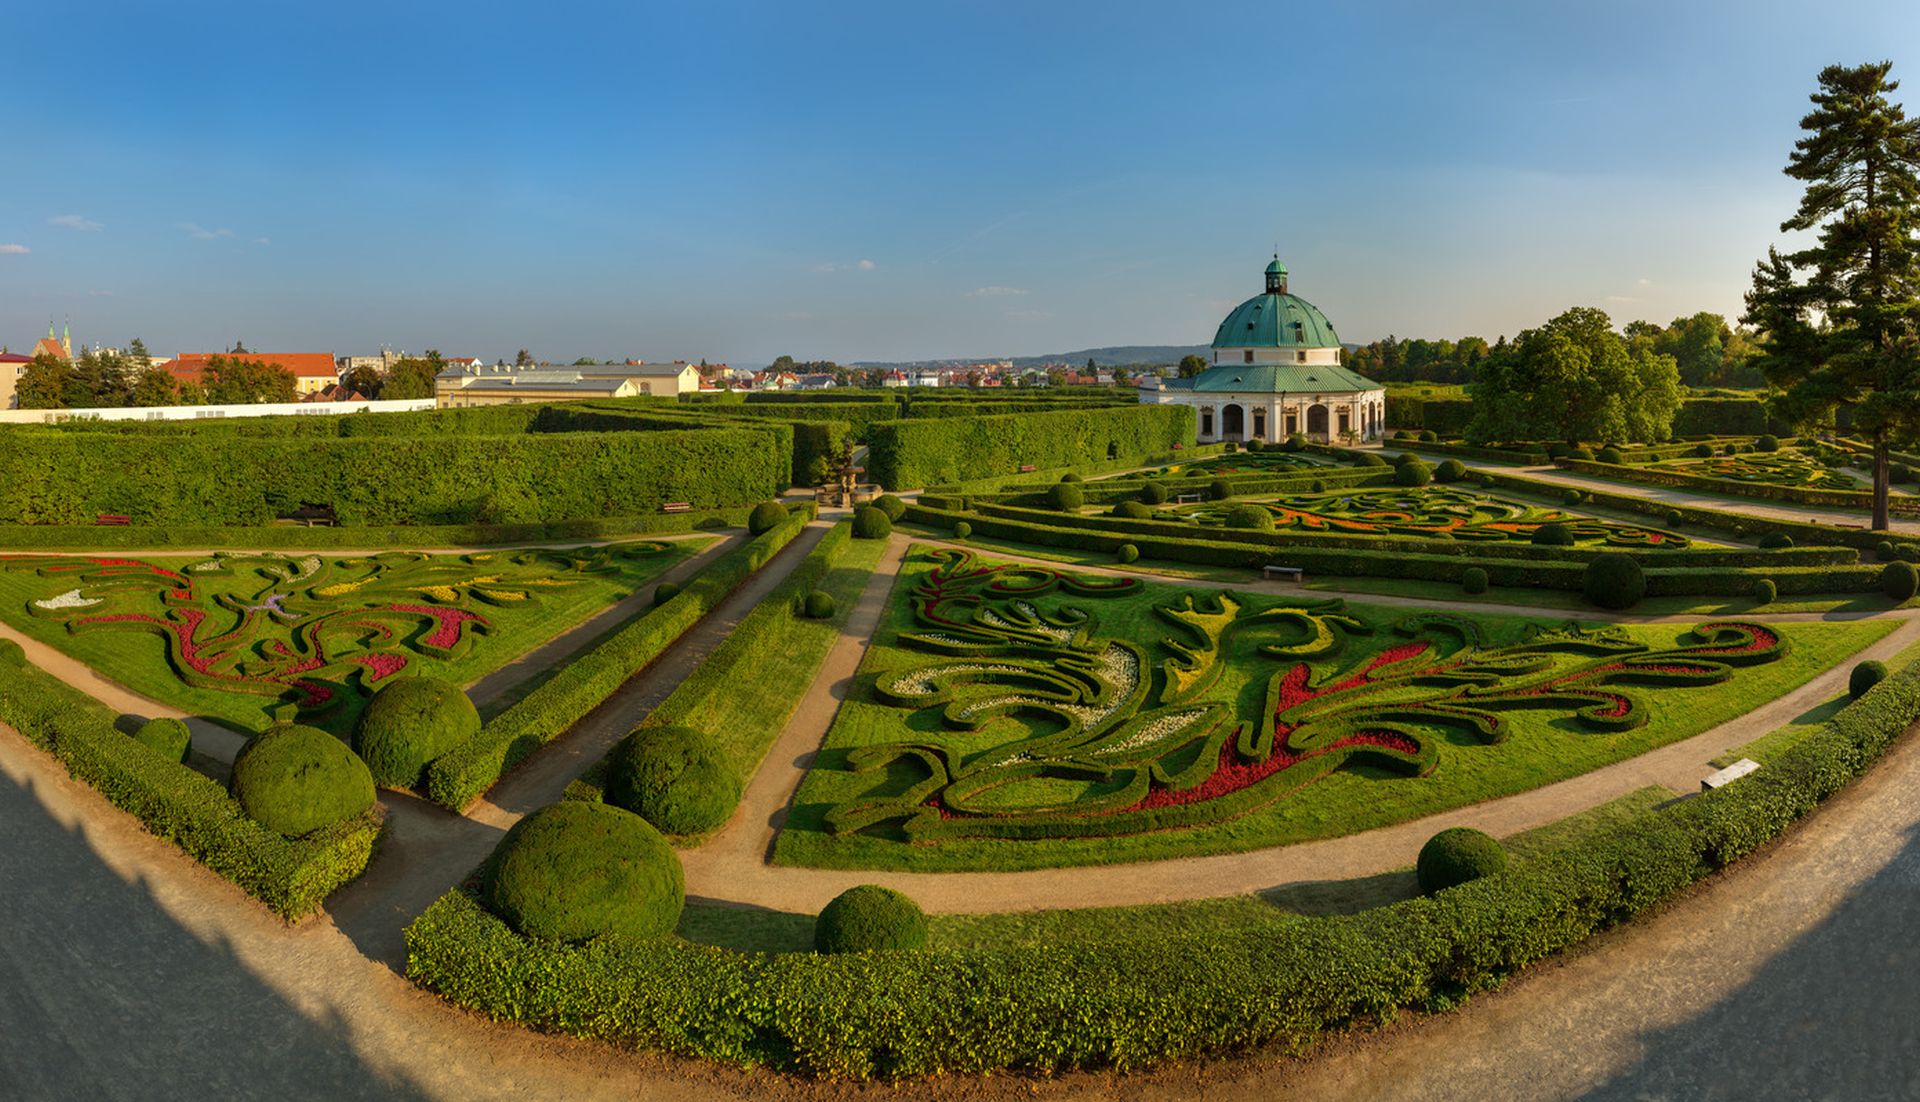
[[1404, 458], [1457, 855], [1127, 553], [1256, 445], [869, 523], [12, 653], [1413, 474], [1703, 451], [1318, 487], [1368, 459], [1674, 518], [867, 918], [1293, 443], [1070, 477], [1767, 443], [1132, 510], [579, 870], [1610, 455], [1253, 517], [819, 605], [1865, 676], [1730, 449], [1474, 580], [1614, 580], [1153, 493], [1899, 472], [1066, 496], [672, 778], [168, 737], [765, 517], [295, 779], [1899, 581], [961, 530], [664, 592], [1553, 535], [1578, 451], [1219, 489], [410, 722], [1571, 497], [1428, 436], [1884, 551], [1774, 541], [891, 505], [1450, 470], [1765, 591]]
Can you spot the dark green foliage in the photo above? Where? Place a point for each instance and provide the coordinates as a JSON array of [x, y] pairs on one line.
[[1132, 509], [1413, 474], [1768, 443], [1775, 540], [1070, 476], [1865, 676], [1899, 581], [1614, 580], [1293, 443], [409, 722], [1405, 458], [1474, 580], [1456, 856], [1576, 451], [1899, 472], [168, 737], [1450, 470], [457, 777], [1673, 518], [962, 529], [869, 918], [1153, 493], [1254, 517], [1703, 451], [819, 605], [917, 452], [1610, 455], [1764, 591], [1318, 487], [1066, 496], [1428, 436], [1368, 459], [1219, 489], [296, 779], [1255, 445], [578, 870], [1127, 553], [12, 653], [671, 777], [891, 505], [186, 808], [1553, 535], [1884, 551], [664, 592], [870, 523], [765, 517]]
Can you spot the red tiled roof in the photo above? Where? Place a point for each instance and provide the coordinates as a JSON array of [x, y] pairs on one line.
[[14, 358], [49, 347], [188, 366]]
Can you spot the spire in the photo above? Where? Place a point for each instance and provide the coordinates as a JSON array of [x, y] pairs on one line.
[[66, 337]]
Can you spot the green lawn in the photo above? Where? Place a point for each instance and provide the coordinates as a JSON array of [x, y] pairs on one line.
[[275, 628], [1542, 745]]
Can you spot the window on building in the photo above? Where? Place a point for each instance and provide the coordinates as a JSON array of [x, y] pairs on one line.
[[1249, 355]]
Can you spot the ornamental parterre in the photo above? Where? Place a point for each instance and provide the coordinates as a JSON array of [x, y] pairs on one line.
[[305, 630], [1123, 740], [1436, 512]]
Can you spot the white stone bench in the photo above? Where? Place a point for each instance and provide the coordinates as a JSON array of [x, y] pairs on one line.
[[1291, 573], [1188, 499], [1720, 778]]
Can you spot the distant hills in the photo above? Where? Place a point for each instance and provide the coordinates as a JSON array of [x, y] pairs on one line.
[[1129, 355]]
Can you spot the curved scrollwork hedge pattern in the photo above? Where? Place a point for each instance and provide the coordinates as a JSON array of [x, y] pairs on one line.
[[1436, 512], [1790, 468], [304, 628], [1126, 738]]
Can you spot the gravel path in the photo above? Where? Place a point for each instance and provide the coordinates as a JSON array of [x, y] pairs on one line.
[[1853, 518]]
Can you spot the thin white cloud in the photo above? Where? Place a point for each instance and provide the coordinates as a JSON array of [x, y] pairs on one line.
[[14, 250], [263, 240], [995, 292], [74, 222], [202, 233], [856, 266], [865, 265]]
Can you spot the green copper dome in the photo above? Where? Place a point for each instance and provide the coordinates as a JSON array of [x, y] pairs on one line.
[[1276, 319]]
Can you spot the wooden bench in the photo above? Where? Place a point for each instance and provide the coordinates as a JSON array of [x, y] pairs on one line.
[[1291, 573], [113, 519], [1026, 468], [676, 507], [1188, 499], [1720, 778]]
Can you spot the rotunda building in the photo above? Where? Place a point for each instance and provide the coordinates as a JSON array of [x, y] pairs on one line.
[[1276, 371]]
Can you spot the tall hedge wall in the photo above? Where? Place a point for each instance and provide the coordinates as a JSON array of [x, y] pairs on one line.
[[216, 480], [905, 455]]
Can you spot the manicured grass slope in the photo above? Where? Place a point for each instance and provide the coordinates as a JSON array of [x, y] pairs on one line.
[[1542, 747]]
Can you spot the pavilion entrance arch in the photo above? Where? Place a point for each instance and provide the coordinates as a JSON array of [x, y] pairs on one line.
[[1233, 422], [1317, 423]]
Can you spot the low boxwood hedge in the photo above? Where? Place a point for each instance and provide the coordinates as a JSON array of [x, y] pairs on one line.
[[458, 777], [193, 811], [1059, 1005]]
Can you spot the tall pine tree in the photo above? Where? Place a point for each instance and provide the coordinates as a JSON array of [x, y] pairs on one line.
[[1840, 317]]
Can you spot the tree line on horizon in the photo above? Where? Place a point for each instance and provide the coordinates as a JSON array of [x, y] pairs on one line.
[[106, 379]]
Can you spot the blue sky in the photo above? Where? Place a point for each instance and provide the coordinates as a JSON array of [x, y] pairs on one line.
[[867, 181]]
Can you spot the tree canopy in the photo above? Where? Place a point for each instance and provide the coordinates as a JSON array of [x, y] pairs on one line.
[[1191, 365], [1574, 379], [1841, 317]]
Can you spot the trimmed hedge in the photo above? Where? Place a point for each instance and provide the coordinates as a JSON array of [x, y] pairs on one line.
[[1458, 855], [1474, 580], [869, 523], [765, 516], [167, 737], [1060, 1005], [923, 452], [92, 537], [1066, 496], [190, 810], [1614, 580], [1801, 495], [670, 777], [577, 871], [296, 779], [819, 605], [409, 722], [891, 505], [458, 777], [1864, 677], [1899, 581], [869, 918]]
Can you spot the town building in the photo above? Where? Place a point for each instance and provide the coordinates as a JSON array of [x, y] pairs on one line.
[[60, 348], [1277, 372], [460, 387], [312, 371], [12, 366]]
